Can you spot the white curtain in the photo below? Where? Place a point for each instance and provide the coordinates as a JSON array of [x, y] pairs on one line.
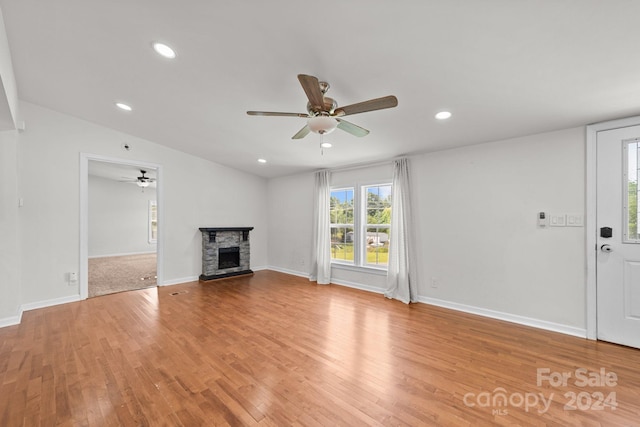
[[401, 277], [321, 243]]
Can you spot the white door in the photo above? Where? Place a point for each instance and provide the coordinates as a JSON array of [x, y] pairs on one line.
[[618, 259]]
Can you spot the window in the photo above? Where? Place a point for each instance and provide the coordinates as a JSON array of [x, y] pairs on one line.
[[377, 225], [632, 153], [153, 221], [341, 218], [360, 220]]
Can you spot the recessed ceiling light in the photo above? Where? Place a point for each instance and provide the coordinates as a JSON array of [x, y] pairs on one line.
[[262, 161], [123, 106], [443, 115], [326, 145], [164, 50]]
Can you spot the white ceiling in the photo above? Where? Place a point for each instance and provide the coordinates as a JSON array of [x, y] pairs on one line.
[[504, 68], [118, 172]]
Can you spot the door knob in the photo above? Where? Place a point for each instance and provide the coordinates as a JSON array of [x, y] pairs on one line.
[[606, 248]]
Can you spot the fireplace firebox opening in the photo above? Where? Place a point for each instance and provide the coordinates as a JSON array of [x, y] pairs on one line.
[[228, 258]]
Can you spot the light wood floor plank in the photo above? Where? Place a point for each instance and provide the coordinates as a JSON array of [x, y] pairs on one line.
[[276, 350]]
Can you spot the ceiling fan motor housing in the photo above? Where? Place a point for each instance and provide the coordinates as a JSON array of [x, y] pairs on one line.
[[330, 104]]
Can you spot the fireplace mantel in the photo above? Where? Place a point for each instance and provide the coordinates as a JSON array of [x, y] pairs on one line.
[[214, 230], [217, 245]]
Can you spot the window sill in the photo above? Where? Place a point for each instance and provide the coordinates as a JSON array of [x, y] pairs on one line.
[[360, 269]]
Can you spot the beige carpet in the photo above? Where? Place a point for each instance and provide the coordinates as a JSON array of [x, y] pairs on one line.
[[108, 275]]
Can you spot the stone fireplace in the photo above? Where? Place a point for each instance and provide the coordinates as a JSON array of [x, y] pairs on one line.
[[225, 252]]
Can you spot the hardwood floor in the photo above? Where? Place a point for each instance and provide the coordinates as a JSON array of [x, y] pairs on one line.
[[277, 350]]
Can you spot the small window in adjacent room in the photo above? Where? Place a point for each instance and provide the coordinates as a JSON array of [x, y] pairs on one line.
[[153, 221], [341, 219]]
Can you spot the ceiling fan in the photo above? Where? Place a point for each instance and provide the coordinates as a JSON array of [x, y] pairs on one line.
[[323, 114], [142, 181]]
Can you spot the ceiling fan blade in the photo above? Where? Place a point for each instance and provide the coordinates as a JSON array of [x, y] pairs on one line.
[[302, 133], [272, 113], [354, 130], [311, 87], [370, 105]]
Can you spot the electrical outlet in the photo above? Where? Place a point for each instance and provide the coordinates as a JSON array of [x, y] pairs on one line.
[[73, 277], [435, 282]]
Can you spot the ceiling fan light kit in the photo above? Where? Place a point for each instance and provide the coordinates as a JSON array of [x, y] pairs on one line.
[[143, 181], [323, 114], [322, 124]]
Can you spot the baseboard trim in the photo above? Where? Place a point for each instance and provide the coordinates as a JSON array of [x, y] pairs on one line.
[[508, 317], [287, 271], [179, 281], [50, 302], [355, 285], [188, 279], [339, 282], [11, 321]]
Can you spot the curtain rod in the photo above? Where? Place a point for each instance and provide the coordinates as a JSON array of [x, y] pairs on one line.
[[364, 165]]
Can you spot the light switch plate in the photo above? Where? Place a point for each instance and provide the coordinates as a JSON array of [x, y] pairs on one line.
[[575, 220], [557, 220]]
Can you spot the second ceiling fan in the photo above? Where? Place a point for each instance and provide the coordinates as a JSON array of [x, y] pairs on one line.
[[323, 114]]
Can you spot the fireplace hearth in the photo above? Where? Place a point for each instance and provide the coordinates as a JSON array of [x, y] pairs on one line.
[[225, 252]]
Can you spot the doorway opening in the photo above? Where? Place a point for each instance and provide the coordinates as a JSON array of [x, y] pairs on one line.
[[120, 233]]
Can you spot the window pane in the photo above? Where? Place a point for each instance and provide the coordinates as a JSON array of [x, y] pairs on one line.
[[342, 244], [632, 191], [377, 240], [341, 206], [333, 216], [379, 204]]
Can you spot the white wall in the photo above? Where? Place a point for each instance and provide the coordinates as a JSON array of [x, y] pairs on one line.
[[196, 192], [9, 242], [290, 215], [118, 218], [475, 209]]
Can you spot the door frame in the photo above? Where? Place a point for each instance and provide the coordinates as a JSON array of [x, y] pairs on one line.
[[591, 202], [84, 215]]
